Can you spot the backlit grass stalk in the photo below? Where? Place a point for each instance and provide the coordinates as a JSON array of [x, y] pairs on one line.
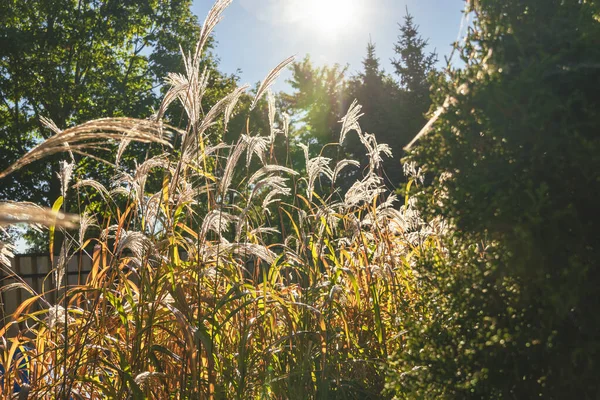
[[192, 296]]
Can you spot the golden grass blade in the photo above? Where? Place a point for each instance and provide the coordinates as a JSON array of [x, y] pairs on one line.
[[15, 286]]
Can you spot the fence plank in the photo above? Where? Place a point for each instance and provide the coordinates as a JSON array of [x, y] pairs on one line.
[[38, 272]]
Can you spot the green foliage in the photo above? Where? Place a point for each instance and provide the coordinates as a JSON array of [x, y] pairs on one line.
[[413, 65], [320, 99], [383, 115], [227, 264], [416, 72], [72, 61], [508, 307]]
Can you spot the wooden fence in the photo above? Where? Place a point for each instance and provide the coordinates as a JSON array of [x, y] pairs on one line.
[[37, 271]]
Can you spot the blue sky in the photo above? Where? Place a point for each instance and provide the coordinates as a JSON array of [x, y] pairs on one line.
[[255, 35]]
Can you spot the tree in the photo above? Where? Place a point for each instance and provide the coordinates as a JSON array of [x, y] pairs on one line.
[[321, 99], [508, 307], [393, 112], [413, 65], [72, 61], [378, 94], [414, 68]]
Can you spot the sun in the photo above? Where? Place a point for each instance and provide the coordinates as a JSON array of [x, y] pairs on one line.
[[330, 18]]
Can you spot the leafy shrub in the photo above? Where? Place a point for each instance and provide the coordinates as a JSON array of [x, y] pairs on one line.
[[509, 309]]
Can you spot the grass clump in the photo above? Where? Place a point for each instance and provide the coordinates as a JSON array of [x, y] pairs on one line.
[[237, 277]]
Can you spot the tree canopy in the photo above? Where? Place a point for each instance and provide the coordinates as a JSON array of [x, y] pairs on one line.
[[72, 61]]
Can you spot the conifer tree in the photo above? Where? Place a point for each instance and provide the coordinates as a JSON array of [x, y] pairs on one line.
[[378, 94], [413, 64]]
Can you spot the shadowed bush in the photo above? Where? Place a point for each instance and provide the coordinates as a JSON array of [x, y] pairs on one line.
[[510, 310]]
